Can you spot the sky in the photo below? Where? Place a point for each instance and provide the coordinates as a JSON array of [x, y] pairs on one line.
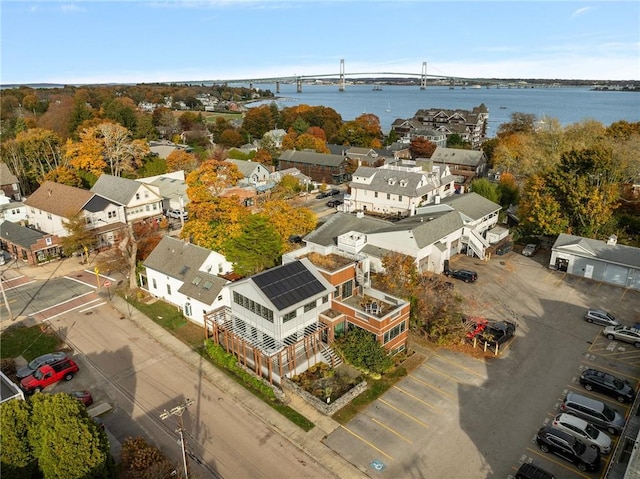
[[144, 41]]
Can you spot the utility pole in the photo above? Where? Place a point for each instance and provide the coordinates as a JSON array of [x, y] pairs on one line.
[[4, 298], [178, 411]]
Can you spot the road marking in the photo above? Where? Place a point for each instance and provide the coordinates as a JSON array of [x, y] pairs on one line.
[[549, 458], [73, 309], [92, 306], [391, 430], [367, 442], [61, 303], [10, 288], [81, 282], [450, 378], [404, 413], [471, 371], [417, 398], [432, 387]]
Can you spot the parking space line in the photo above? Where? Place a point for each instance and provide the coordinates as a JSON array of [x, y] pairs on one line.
[[469, 370], [367, 442], [391, 430], [417, 398], [451, 378], [426, 426], [424, 383], [549, 458]]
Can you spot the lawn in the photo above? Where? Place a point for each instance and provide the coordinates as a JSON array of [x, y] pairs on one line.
[[28, 342]]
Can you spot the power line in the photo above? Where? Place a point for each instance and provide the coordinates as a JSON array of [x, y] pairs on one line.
[[178, 411]]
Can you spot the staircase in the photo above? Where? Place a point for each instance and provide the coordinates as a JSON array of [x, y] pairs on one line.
[[329, 355]]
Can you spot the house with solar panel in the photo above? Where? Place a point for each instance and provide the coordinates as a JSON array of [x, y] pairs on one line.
[[271, 321], [186, 275]]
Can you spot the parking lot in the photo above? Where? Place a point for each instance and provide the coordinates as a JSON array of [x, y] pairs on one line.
[[456, 416]]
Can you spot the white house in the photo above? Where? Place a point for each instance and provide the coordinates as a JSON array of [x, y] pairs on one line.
[[254, 173], [140, 201], [187, 276], [52, 204], [14, 211], [399, 189], [172, 187]]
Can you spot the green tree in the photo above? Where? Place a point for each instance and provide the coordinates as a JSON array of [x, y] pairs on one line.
[[485, 188], [539, 210], [257, 247], [520, 123], [508, 190], [66, 441], [16, 454], [361, 349]]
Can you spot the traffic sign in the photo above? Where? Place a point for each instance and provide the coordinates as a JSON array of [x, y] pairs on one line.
[[106, 284]]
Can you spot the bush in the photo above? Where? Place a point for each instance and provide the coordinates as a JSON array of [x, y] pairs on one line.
[[143, 461], [360, 349]]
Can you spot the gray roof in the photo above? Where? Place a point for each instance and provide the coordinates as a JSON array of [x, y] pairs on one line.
[[312, 158], [119, 190], [246, 167], [182, 261], [382, 176], [472, 205], [341, 223], [20, 235], [171, 188], [6, 177], [457, 156], [428, 228], [612, 253]]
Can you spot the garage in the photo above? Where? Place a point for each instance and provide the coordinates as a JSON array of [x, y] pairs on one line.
[[604, 261]]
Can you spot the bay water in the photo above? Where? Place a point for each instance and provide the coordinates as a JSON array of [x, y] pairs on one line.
[[566, 104]]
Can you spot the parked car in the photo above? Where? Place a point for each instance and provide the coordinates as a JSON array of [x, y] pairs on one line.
[[49, 374], [623, 333], [498, 332], [332, 203], [605, 383], [322, 194], [601, 317], [33, 365], [333, 192], [84, 397], [593, 411], [295, 239], [587, 433], [465, 275], [530, 471], [530, 249], [177, 214], [563, 444]]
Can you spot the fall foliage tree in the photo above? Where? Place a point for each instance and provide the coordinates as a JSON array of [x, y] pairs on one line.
[[181, 160], [140, 460], [421, 147], [539, 211], [258, 120], [288, 220]]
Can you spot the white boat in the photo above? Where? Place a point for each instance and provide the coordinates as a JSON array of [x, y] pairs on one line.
[[475, 87], [388, 107]]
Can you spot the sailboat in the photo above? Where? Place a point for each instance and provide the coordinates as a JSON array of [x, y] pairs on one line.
[[388, 107]]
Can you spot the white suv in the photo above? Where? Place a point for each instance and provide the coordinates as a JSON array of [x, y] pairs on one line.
[[177, 214], [584, 431]]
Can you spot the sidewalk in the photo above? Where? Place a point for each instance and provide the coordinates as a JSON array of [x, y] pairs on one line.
[[310, 442]]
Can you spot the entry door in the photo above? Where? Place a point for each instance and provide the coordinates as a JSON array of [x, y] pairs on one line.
[[588, 271]]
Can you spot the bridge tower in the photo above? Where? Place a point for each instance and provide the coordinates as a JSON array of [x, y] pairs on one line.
[[423, 76], [277, 87], [298, 85], [341, 83]]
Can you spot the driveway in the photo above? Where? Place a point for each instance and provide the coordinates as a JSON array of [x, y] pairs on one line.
[[456, 416]]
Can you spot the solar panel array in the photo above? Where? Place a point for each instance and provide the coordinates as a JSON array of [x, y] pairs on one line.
[[288, 284]]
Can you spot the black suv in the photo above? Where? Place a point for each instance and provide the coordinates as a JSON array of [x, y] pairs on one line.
[[529, 471], [465, 275], [563, 444], [498, 332], [605, 383]]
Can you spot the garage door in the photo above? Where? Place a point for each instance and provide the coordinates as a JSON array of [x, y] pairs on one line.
[[615, 274]]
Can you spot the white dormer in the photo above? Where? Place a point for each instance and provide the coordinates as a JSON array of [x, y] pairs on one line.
[[403, 182], [391, 181]]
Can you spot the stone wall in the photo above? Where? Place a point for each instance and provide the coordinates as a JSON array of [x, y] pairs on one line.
[[326, 409]]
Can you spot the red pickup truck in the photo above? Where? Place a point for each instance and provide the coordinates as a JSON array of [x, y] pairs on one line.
[[49, 374]]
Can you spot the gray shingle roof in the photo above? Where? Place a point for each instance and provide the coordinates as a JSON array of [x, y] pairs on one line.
[[472, 205], [426, 229], [312, 158], [457, 156], [382, 177], [247, 168], [615, 253], [341, 223], [118, 190], [20, 235]]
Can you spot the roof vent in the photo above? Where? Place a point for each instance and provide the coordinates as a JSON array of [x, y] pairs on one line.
[[613, 239]]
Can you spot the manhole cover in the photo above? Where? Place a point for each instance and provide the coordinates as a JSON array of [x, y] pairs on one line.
[[88, 313]]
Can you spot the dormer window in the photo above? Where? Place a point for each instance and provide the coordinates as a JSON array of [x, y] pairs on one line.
[[391, 181], [403, 182]]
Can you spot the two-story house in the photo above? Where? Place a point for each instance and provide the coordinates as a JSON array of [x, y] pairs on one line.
[[467, 165], [172, 187], [398, 189], [53, 204], [9, 183], [187, 276], [253, 172], [320, 167], [271, 320], [140, 201]]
